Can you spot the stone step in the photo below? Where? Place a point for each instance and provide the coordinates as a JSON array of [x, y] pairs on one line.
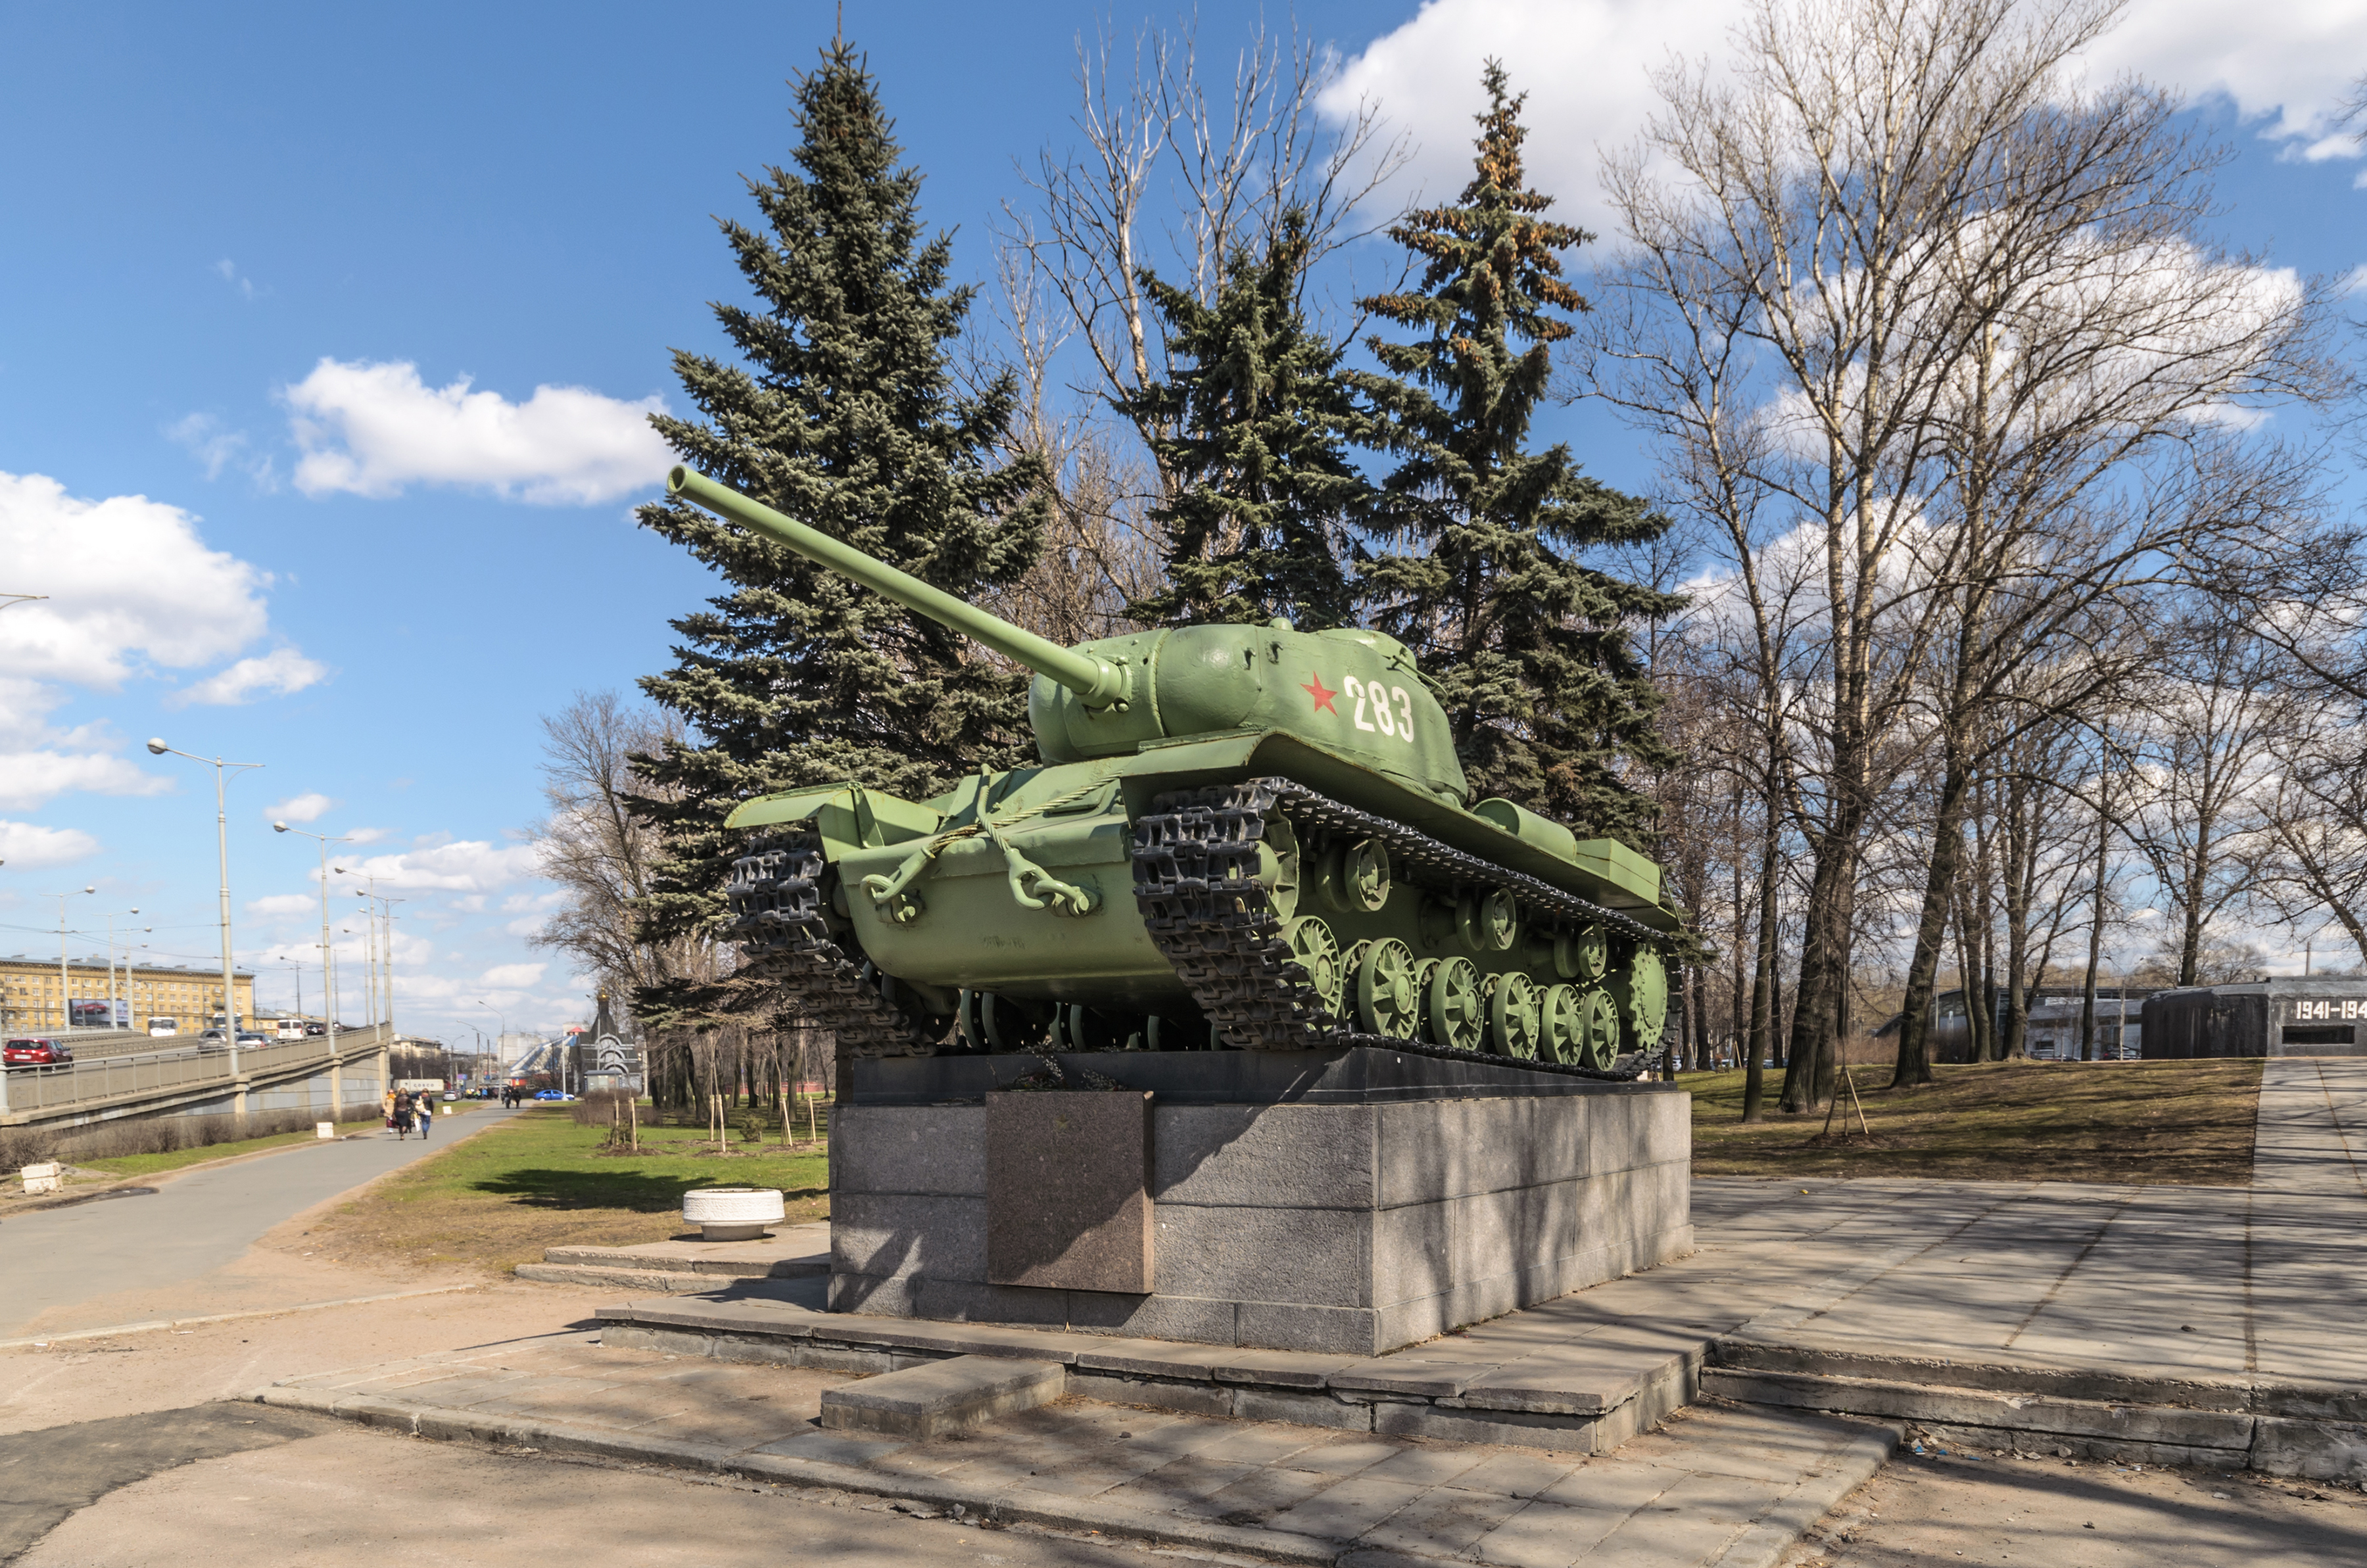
[[1726, 1488], [2123, 1414], [682, 1261], [925, 1402], [599, 1278], [1585, 1395]]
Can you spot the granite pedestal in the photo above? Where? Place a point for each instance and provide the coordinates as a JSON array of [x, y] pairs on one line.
[[1348, 1202]]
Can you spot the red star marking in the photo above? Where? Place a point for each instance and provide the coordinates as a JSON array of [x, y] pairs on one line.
[[1322, 698]]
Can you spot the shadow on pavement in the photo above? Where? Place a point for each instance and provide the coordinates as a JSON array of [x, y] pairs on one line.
[[49, 1474]]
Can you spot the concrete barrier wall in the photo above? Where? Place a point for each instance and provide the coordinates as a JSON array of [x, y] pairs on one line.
[[182, 1082]]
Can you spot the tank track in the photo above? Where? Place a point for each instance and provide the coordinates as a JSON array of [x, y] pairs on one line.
[[1195, 863], [776, 897]]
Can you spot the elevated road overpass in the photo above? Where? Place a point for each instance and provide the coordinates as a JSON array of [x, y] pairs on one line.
[[183, 1080]]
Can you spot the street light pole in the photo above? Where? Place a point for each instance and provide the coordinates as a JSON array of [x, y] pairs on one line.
[[221, 836], [65, 979], [328, 968], [387, 958], [110, 966]]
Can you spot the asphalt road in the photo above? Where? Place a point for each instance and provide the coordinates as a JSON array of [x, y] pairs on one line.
[[197, 1222]]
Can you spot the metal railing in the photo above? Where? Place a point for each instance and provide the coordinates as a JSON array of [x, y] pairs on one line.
[[180, 1073]]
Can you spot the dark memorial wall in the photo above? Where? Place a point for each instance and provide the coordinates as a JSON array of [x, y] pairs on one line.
[[2296, 1017]]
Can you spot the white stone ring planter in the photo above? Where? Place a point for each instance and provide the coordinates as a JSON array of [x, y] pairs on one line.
[[732, 1214]]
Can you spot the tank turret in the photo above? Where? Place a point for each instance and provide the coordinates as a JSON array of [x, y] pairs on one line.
[[1244, 836]]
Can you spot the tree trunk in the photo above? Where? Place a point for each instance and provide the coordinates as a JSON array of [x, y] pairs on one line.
[[1914, 1065], [1824, 957], [2020, 850], [1764, 1010], [2096, 919]]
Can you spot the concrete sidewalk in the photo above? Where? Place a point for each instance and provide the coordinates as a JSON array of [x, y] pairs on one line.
[[2311, 1137], [1728, 1487]]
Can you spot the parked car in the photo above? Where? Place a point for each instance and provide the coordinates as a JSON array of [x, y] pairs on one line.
[[449, 1097], [163, 1028], [35, 1051], [552, 1094]]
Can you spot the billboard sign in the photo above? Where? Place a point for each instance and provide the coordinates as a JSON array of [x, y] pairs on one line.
[[89, 1012], [416, 1085]]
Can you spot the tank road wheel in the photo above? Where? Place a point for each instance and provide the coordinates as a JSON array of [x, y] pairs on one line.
[[1314, 949], [1558, 1022], [1278, 864], [1385, 989], [990, 1022], [1077, 1027], [1642, 992], [1598, 1029], [1581, 955], [1513, 1015], [1488, 923], [1356, 876], [1451, 1005]]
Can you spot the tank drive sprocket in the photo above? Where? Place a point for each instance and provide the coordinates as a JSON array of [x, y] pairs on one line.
[[776, 905], [1196, 863]]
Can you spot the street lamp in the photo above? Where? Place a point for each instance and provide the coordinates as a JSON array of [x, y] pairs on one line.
[[221, 838], [498, 1040], [328, 966], [111, 964], [65, 982]]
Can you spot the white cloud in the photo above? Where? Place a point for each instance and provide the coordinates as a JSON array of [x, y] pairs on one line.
[[466, 866], [29, 778], [274, 675], [218, 448], [366, 835], [372, 430], [285, 903], [511, 977], [2355, 280], [127, 579], [2287, 64], [24, 845], [309, 806], [133, 591], [227, 270], [524, 925]]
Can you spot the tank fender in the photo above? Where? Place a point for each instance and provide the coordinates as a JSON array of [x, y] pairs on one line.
[[847, 816]]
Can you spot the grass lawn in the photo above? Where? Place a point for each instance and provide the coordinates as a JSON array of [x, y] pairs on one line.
[[540, 1180], [2161, 1123], [150, 1165]]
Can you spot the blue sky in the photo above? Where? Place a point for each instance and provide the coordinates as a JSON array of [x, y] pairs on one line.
[[204, 206]]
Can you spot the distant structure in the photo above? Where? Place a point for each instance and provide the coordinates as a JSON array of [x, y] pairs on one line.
[[2289, 1017], [2053, 1032], [615, 1063]]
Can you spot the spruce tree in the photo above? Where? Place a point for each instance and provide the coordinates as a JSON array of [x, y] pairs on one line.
[[1263, 413], [841, 413], [1527, 647]]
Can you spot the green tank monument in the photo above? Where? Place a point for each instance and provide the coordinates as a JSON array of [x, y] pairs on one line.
[[1236, 1020]]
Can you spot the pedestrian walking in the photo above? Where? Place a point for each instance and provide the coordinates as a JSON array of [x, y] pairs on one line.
[[426, 1108], [402, 1114]]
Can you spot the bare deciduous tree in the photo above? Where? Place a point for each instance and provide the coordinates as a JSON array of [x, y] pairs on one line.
[[1232, 162], [1897, 291]]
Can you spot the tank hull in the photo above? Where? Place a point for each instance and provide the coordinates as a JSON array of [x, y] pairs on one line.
[[1029, 887]]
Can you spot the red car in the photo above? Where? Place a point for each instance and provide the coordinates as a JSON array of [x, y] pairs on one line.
[[33, 1051]]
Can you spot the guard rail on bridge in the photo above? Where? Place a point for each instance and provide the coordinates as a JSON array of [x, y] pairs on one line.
[[147, 1082]]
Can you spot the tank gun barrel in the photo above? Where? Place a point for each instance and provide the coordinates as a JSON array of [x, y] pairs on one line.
[[1096, 680]]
